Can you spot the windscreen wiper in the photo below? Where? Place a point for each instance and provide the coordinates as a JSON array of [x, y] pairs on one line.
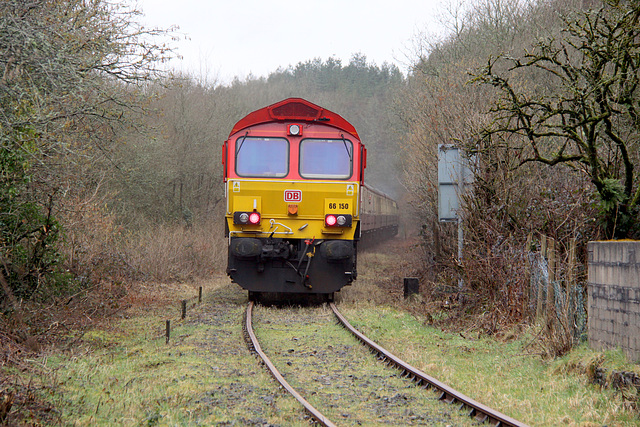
[[344, 141], [241, 142]]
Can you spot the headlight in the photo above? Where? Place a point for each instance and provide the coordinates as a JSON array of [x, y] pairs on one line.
[[332, 220], [246, 218]]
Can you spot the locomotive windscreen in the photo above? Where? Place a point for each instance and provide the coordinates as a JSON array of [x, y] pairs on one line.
[[326, 158], [257, 157]]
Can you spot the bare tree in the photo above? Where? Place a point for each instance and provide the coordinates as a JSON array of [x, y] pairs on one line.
[[585, 114], [65, 68]]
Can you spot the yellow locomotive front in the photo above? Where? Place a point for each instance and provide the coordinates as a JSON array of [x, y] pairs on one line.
[[292, 179]]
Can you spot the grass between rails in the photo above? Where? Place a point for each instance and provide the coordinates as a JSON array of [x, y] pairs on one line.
[[339, 376]]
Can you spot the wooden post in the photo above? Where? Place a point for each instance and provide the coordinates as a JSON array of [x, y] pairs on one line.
[[184, 309], [167, 332], [199, 294]]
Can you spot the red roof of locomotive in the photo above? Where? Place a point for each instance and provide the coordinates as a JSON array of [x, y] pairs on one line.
[[294, 109]]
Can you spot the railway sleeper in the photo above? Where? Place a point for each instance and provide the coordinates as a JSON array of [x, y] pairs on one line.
[[446, 397], [481, 417]]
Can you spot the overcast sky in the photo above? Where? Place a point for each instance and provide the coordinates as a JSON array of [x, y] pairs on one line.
[[228, 38]]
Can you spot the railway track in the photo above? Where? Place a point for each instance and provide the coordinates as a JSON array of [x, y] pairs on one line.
[[474, 409], [254, 345]]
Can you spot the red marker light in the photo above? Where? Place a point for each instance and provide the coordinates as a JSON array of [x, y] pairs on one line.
[[330, 220], [254, 218]]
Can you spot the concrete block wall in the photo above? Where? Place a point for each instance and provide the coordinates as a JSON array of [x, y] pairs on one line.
[[614, 296]]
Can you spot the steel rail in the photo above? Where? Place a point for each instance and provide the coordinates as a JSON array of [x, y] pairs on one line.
[[477, 410], [254, 345]]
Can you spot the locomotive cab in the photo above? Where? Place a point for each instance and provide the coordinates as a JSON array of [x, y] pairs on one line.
[[293, 174]]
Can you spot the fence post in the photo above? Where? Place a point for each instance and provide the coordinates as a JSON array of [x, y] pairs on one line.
[[184, 309], [571, 267], [167, 332], [570, 282], [528, 274], [540, 301], [551, 255]]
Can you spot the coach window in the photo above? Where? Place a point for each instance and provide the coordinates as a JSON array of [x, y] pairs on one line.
[[326, 158], [262, 157]]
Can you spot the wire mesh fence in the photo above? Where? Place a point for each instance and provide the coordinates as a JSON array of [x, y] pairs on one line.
[[556, 293]]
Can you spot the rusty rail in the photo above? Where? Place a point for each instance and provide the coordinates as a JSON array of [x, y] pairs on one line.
[[252, 341], [476, 409]]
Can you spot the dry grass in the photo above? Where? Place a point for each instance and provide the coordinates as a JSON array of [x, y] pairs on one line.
[[381, 271], [97, 248], [170, 253]]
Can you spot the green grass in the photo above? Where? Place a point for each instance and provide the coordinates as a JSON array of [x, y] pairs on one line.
[[122, 373], [502, 375], [127, 375]]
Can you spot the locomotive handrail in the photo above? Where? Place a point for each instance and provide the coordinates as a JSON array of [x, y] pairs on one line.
[[273, 222]]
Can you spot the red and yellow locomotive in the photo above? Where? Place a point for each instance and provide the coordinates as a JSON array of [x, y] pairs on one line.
[[293, 183]]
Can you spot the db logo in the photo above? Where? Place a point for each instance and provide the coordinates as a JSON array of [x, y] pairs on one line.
[[292, 196]]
